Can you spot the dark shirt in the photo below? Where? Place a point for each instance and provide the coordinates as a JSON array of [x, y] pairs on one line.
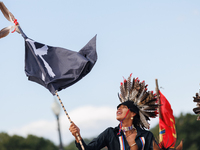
[[110, 139]]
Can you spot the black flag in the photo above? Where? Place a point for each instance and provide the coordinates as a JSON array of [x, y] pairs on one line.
[[57, 68]]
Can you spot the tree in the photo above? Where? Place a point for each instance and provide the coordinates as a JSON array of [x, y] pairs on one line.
[[32, 142]]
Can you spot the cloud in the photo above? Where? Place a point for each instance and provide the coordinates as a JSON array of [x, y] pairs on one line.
[[91, 120], [41, 128]]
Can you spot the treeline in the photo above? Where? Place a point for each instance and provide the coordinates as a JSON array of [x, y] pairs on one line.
[[32, 142], [187, 127]]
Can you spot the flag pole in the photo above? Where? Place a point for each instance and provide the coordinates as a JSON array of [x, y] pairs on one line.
[[21, 32], [158, 98], [69, 119]]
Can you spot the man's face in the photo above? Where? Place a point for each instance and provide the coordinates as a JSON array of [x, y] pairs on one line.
[[121, 112]]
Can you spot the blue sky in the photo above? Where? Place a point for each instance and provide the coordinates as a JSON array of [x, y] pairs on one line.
[[151, 39]]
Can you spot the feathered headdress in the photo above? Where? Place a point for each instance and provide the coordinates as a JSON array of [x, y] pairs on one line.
[[144, 100], [197, 109]]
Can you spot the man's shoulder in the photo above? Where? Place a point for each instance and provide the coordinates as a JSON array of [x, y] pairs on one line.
[[112, 129], [143, 131]]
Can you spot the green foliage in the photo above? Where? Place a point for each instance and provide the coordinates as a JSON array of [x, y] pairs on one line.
[[71, 146], [155, 132], [32, 142], [188, 130]]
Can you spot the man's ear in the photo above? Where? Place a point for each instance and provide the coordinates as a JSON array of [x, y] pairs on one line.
[[133, 114]]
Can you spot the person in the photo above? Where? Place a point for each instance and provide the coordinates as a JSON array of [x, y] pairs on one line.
[[137, 105]]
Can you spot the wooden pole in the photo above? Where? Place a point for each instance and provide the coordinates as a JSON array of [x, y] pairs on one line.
[[21, 32], [158, 97], [69, 119]]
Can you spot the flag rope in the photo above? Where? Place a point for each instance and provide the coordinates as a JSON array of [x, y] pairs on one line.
[[69, 119]]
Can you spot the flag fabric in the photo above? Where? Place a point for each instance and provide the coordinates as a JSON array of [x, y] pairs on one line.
[[167, 130], [57, 68]]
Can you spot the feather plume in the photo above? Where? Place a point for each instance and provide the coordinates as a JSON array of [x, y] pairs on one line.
[[196, 110], [197, 98], [139, 99], [129, 85], [142, 86], [150, 108], [152, 101], [8, 15], [125, 89], [137, 85], [148, 114], [122, 95], [120, 98], [133, 85], [133, 95], [5, 31], [149, 97], [143, 120], [145, 99]]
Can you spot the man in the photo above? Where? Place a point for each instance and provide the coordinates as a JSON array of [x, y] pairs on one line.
[[136, 106]]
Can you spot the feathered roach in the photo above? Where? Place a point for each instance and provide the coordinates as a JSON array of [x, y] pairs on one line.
[[146, 101], [197, 109]]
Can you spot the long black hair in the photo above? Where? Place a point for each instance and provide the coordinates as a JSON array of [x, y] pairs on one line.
[[136, 120]]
